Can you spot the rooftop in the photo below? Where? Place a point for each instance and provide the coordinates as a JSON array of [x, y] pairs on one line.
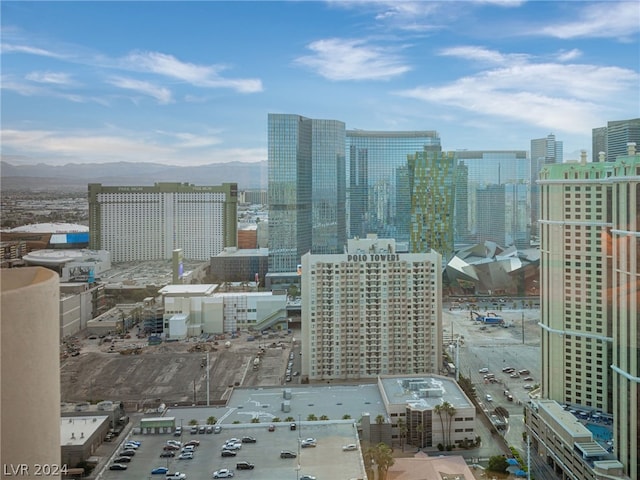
[[423, 391]]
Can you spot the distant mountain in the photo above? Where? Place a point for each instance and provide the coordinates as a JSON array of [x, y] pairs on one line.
[[246, 175]]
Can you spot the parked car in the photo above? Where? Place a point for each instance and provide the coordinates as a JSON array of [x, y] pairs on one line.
[[167, 454], [159, 471], [350, 447], [528, 386], [524, 372], [171, 447], [232, 446], [174, 442], [483, 370], [244, 466], [217, 429], [514, 375], [306, 444], [209, 429], [185, 456], [131, 446], [122, 460], [508, 369], [307, 477], [118, 466], [127, 453], [272, 428], [177, 432], [287, 454], [228, 453], [528, 379], [249, 440], [192, 443], [176, 476], [223, 473], [292, 426], [489, 398], [202, 429]]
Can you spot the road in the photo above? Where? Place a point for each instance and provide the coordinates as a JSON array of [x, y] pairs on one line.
[[495, 348]]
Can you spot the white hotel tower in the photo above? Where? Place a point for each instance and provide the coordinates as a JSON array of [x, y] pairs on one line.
[[150, 222], [371, 311]]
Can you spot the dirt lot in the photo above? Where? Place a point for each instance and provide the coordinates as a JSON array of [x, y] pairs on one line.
[[170, 373]]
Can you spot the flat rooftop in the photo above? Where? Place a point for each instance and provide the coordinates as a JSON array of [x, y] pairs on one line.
[[196, 289], [77, 430], [265, 404], [424, 390]]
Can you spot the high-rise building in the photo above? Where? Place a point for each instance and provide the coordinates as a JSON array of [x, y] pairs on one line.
[[307, 190], [149, 222], [504, 175], [432, 179], [590, 316], [544, 151], [371, 311], [613, 138], [378, 200]]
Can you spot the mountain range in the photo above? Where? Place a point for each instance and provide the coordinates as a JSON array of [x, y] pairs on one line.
[[78, 175]]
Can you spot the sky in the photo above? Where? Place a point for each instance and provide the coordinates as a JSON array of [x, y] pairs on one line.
[[192, 83]]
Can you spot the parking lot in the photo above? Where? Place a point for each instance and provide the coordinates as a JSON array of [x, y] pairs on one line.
[[264, 454]]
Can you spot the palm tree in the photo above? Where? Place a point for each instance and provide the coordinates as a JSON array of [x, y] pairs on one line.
[[276, 419], [439, 410], [367, 456], [379, 422], [402, 429], [289, 419], [211, 420], [193, 421], [311, 417], [451, 411], [383, 456], [324, 417], [255, 420], [346, 416]]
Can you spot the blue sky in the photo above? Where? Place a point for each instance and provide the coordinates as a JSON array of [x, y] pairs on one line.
[[191, 83]]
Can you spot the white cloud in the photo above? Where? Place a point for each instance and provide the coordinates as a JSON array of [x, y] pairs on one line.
[[484, 55], [558, 97], [199, 75], [11, 48], [56, 78], [567, 55], [604, 19], [343, 59], [161, 94], [61, 147]]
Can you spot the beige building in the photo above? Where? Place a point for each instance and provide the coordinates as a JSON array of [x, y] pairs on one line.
[[590, 266], [30, 370], [371, 311]]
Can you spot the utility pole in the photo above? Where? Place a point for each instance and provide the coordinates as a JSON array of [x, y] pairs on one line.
[[208, 403], [523, 328]]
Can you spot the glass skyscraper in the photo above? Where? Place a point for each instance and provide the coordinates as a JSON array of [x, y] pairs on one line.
[[307, 190], [379, 201], [490, 180], [544, 151]]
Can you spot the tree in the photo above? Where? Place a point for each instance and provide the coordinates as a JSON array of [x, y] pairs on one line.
[[193, 421], [367, 456], [311, 417], [451, 412], [402, 429], [498, 463], [289, 419], [211, 420], [324, 417], [255, 420], [346, 416], [383, 457], [276, 419], [439, 410]]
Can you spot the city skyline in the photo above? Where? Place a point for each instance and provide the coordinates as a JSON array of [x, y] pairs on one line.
[[193, 83]]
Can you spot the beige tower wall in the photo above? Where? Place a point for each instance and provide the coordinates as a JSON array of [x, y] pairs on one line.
[[30, 368]]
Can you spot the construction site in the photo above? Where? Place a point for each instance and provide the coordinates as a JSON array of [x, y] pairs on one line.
[[144, 376]]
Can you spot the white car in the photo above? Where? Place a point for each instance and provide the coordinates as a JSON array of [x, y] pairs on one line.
[[176, 476], [483, 370], [489, 398], [185, 456], [350, 447], [223, 473]]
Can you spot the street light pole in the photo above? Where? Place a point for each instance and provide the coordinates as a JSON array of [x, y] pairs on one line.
[[523, 328]]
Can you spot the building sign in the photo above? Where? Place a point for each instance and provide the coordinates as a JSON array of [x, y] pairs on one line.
[[376, 257]]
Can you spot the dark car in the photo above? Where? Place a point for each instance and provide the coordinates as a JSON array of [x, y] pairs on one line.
[[229, 453], [167, 454], [127, 453], [171, 447], [292, 426], [249, 440], [287, 454], [122, 460], [244, 466], [118, 466]]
